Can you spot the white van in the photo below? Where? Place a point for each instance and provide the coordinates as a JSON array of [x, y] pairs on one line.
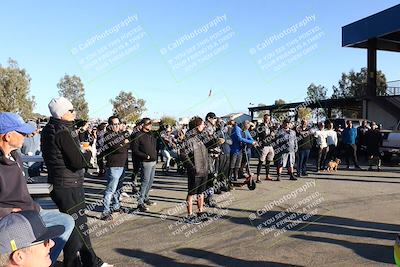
[[390, 143]]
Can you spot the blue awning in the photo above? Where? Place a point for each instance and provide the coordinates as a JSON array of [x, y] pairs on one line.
[[383, 26]]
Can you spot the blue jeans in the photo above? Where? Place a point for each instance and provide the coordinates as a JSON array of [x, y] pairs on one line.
[[54, 217], [302, 162], [169, 154], [115, 178], [148, 172]]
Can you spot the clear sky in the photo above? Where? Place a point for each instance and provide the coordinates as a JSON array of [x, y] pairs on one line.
[[172, 53]]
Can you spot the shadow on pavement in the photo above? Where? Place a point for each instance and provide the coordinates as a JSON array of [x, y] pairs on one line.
[[373, 252], [226, 260], [159, 260], [152, 258], [357, 180], [325, 224]]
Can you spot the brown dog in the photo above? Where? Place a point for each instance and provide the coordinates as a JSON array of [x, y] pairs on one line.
[[333, 165]]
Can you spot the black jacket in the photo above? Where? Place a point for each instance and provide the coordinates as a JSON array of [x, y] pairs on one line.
[[373, 140], [62, 154], [144, 145], [305, 138], [114, 149], [13, 189]]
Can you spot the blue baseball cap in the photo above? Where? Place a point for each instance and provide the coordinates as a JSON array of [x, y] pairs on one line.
[[25, 229], [13, 122]]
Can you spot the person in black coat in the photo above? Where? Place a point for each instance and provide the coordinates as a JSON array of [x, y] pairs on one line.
[[145, 150], [65, 160], [373, 140], [115, 152]]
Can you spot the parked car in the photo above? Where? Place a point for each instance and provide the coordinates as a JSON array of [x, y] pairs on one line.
[[390, 143]]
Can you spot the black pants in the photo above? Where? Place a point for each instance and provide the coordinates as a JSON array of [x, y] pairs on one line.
[[72, 202], [321, 157], [135, 171], [331, 153], [351, 152], [245, 164], [223, 169], [100, 163]]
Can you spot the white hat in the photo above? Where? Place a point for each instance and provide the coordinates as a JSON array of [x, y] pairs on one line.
[[59, 106]]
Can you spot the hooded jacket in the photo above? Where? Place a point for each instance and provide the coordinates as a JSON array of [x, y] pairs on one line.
[[61, 152]]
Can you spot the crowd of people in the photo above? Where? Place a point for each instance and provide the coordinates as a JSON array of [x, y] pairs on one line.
[[215, 155]]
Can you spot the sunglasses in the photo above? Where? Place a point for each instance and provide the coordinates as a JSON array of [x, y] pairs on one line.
[[72, 110], [115, 124], [45, 243], [23, 134]]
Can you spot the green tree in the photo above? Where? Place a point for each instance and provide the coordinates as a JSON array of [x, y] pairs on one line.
[[317, 92], [304, 113], [354, 84], [14, 90], [280, 102], [71, 87], [167, 120], [127, 107]]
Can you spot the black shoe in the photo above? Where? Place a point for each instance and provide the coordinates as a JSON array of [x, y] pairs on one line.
[[123, 210], [292, 177], [142, 208], [150, 203], [191, 219], [203, 216], [358, 167], [305, 174], [106, 217], [278, 178], [348, 167], [370, 169]]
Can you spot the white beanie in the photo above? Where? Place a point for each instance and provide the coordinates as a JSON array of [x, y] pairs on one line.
[[59, 106]]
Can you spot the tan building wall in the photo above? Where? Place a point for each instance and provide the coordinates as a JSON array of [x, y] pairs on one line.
[[378, 114]]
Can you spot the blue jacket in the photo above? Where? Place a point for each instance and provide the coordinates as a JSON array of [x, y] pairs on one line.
[[237, 140], [349, 136]]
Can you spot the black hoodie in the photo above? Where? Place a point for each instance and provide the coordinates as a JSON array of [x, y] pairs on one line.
[[145, 147]]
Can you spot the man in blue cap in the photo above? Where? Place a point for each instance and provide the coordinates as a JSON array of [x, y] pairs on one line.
[[25, 241], [14, 195]]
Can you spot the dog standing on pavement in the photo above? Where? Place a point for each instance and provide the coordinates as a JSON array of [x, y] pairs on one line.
[[333, 165]]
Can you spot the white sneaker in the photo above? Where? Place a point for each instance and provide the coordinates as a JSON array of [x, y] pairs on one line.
[[106, 265], [124, 194]]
